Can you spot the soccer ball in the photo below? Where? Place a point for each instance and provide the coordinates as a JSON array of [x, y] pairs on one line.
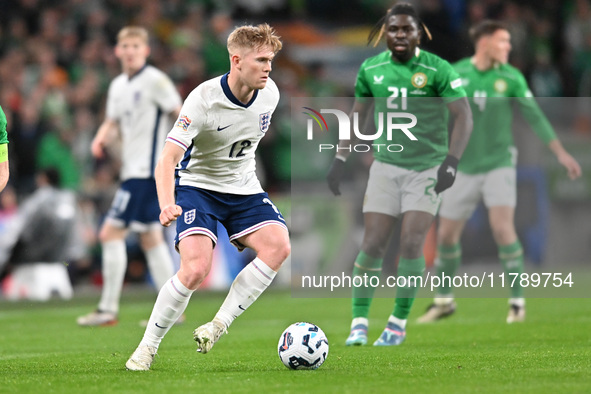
[[303, 346]]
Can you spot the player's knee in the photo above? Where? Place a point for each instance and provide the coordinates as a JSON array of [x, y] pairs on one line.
[[504, 235], [151, 239], [193, 272], [446, 238], [374, 246], [374, 250], [280, 248], [274, 253], [448, 234], [109, 233], [411, 245], [284, 250], [105, 235]]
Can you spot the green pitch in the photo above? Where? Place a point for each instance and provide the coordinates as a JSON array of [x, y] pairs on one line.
[[43, 351]]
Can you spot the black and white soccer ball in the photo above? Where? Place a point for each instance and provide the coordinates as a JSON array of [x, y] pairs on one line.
[[303, 346]]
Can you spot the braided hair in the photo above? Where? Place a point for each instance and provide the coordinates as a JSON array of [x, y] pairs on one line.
[[397, 9]]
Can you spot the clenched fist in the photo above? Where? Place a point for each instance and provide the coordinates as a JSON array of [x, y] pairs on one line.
[[446, 174], [169, 214]]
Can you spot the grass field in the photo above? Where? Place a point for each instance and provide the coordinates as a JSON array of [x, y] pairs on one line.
[[43, 351]]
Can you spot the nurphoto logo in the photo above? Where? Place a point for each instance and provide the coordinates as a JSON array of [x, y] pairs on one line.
[[387, 123]]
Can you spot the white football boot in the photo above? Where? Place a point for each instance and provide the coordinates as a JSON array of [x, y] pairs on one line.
[[208, 334]]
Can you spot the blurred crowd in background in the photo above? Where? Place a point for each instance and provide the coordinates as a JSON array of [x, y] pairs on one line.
[[57, 59]]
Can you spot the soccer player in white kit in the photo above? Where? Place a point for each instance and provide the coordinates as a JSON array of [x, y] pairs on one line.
[[142, 104], [214, 142]]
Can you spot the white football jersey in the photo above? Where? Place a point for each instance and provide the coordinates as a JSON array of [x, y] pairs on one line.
[[220, 135], [141, 105]]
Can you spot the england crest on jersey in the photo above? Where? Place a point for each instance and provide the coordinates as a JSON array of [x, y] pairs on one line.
[[264, 121], [190, 216]]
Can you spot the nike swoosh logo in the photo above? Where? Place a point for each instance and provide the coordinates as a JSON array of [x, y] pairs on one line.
[[222, 128], [159, 326], [240, 306]]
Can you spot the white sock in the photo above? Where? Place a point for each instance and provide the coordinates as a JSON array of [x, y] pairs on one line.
[[114, 265], [246, 288], [399, 322], [360, 320], [172, 301], [519, 302], [160, 264], [443, 300]]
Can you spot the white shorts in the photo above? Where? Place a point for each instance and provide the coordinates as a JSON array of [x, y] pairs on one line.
[[393, 190], [496, 188]]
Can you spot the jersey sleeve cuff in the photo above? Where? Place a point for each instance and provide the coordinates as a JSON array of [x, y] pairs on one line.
[[177, 142]]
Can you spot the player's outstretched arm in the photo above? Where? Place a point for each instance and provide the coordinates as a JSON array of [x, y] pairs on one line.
[[337, 168], [573, 169], [462, 128], [541, 126], [104, 136], [164, 173]]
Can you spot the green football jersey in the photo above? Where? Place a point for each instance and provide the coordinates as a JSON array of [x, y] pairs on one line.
[[421, 87], [3, 133], [492, 94]]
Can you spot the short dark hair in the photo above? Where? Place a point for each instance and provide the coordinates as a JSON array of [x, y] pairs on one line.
[[486, 28], [403, 9], [397, 9]]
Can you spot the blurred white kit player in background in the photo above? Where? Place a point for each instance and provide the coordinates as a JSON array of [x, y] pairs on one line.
[[141, 104]]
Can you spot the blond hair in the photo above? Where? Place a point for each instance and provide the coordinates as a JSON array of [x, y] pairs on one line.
[[253, 37], [133, 31]]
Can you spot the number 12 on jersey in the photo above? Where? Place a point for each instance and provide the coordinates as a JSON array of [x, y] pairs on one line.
[[243, 145]]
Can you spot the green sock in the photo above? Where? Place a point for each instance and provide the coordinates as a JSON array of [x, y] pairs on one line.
[[362, 296], [405, 296], [511, 257], [448, 262]]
